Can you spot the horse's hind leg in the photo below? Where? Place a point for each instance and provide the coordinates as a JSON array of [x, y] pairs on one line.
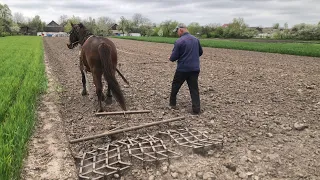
[[98, 83], [109, 95]]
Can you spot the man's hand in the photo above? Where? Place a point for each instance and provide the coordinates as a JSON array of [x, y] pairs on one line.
[[169, 57]]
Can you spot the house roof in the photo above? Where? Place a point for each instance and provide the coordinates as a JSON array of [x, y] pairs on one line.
[[53, 23], [225, 25], [114, 26], [53, 27]]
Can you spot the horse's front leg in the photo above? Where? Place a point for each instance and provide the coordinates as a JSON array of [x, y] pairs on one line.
[[84, 80]]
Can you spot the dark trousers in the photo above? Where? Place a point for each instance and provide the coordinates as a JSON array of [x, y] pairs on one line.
[[192, 81]]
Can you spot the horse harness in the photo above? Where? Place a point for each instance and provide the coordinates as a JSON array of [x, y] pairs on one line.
[[84, 43]]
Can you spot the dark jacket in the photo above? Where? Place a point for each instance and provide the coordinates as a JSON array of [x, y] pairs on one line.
[[187, 50]]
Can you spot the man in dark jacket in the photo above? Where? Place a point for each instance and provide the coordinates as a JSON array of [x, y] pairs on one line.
[[186, 52]]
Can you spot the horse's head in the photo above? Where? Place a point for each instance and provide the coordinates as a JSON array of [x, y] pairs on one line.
[[74, 35]]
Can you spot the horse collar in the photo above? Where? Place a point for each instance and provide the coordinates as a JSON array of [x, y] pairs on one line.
[[87, 40]]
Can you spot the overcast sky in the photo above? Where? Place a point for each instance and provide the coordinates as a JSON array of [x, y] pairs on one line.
[[254, 12]]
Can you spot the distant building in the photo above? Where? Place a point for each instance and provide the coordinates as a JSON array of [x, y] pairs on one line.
[[259, 29], [134, 34], [25, 30], [115, 31], [53, 27], [114, 27], [268, 32], [225, 25]]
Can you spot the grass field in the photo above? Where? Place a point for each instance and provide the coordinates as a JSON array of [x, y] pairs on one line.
[[300, 49], [22, 79]]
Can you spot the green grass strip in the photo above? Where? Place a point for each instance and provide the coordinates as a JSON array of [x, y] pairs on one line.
[[300, 49], [19, 119]]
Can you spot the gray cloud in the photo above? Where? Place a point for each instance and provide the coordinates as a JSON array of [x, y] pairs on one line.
[[254, 12]]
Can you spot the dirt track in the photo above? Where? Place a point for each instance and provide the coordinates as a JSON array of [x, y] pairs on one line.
[[253, 99]]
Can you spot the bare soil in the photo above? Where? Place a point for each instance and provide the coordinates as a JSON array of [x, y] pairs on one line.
[[48, 153], [265, 106]]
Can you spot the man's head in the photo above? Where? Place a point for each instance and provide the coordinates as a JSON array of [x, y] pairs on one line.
[[180, 29]]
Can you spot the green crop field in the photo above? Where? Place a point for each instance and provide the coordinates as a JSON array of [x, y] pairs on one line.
[[22, 79], [300, 49]]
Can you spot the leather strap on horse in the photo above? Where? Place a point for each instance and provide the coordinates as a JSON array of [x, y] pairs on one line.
[[87, 40]]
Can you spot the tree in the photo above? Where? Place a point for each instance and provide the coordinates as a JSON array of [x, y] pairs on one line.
[[140, 24], [74, 20], [235, 29], [194, 28], [276, 26], [5, 19], [37, 24], [123, 24], [19, 18], [130, 27], [5, 12], [217, 33], [15, 29], [208, 30], [138, 20], [167, 28], [63, 20], [286, 31], [145, 30], [104, 25], [91, 25], [160, 33]]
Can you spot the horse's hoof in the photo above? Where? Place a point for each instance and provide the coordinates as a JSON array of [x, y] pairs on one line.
[[84, 93]]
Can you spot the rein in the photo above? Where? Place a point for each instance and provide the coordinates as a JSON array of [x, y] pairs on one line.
[[74, 43], [77, 42]]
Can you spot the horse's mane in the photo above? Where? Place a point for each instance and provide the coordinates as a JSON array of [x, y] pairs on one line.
[[87, 32]]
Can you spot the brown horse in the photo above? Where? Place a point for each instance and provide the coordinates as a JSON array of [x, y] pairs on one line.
[[98, 56]]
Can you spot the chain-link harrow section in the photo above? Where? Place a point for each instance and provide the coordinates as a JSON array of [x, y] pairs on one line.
[[148, 149], [105, 162], [102, 163], [191, 138]]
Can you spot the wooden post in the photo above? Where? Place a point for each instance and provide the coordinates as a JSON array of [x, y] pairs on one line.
[[126, 129], [122, 112]]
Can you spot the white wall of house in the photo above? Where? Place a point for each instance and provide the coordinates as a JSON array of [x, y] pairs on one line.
[[135, 34], [263, 35], [130, 34], [53, 34]]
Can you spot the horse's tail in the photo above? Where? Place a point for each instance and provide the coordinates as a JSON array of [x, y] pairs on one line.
[[109, 74], [124, 79]]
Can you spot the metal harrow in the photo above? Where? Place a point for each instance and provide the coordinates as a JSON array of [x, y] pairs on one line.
[[102, 163], [191, 138], [105, 162], [148, 149]]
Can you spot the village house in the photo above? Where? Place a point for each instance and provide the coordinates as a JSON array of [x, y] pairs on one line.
[[52, 29]]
